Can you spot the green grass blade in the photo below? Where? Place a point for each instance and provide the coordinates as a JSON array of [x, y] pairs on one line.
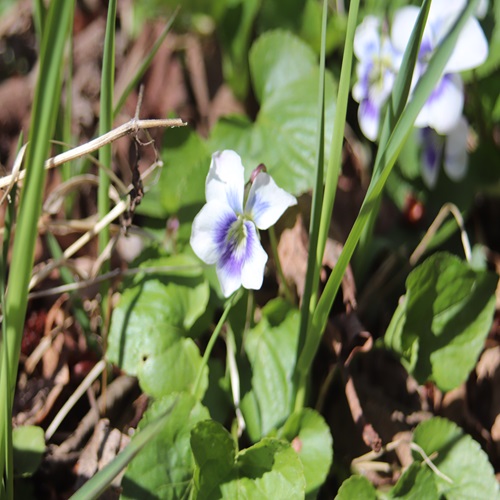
[[95, 486], [45, 106], [5, 382], [388, 157], [313, 265], [397, 102], [105, 125], [331, 181], [145, 64]]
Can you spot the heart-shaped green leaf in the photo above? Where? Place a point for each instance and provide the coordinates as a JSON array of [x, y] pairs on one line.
[[310, 437], [164, 467], [149, 327], [440, 326], [458, 457], [271, 348], [284, 136], [356, 487], [269, 469]]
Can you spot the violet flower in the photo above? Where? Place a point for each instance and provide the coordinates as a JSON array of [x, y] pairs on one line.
[[225, 231]]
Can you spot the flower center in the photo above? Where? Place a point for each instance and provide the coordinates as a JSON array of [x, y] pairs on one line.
[[237, 233]]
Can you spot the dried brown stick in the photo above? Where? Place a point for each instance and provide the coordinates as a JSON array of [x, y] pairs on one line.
[[130, 127], [352, 330], [116, 391]]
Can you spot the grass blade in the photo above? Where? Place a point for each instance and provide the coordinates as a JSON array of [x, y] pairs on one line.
[[45, 106], [313, 264], [387, 158], [105, 125], [95, 486]]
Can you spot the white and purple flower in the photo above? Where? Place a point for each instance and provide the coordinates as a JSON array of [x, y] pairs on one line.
[[376, 71], [450, 150], [225, 231], [443, 109]]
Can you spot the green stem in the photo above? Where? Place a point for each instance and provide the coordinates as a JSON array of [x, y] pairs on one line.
[[215, 335], [332, 175], [274, 248], [105, 156]]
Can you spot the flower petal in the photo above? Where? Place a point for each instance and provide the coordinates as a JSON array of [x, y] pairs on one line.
[[367, 38], [471, 49], [225, 180], [266, 201], [210, 228], [455, 152], [444, 106], [402, 26], [252, 273], [369, 118], [240, 258], [432, 151]]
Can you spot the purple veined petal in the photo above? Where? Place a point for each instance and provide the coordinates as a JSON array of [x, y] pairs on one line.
[[369, 118], [444, 106], [367, 38], [361, 88], [455, 151], [432, 152], [240, 255], [471, 49], [225, 179], [252, 272], [210, 228], [266, 201]]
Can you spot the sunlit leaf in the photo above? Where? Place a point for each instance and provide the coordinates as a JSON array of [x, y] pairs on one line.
[[356, 487], [164, 468], [440, 326], [29, 446], [149, 326], [269, 469], [271, 349], [311, 439], [458, 457]]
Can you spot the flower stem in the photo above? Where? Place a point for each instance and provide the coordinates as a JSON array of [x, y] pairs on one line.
[[232, 300], [274, 248]]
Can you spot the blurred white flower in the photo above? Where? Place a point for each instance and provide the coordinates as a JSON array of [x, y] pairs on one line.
[[376, 70], [225, 234], [450, 150], [443, 109]]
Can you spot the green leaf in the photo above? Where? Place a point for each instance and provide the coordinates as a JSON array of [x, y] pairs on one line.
[[277, 59], [356, 487], [164, 468], [151, 322], [235, 32], [440, 326], [459, 457], [284, 136], [186, 161], [417, 482], [271, 348], [311, 439], [269, 469], [29, 446], [97, 484]]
